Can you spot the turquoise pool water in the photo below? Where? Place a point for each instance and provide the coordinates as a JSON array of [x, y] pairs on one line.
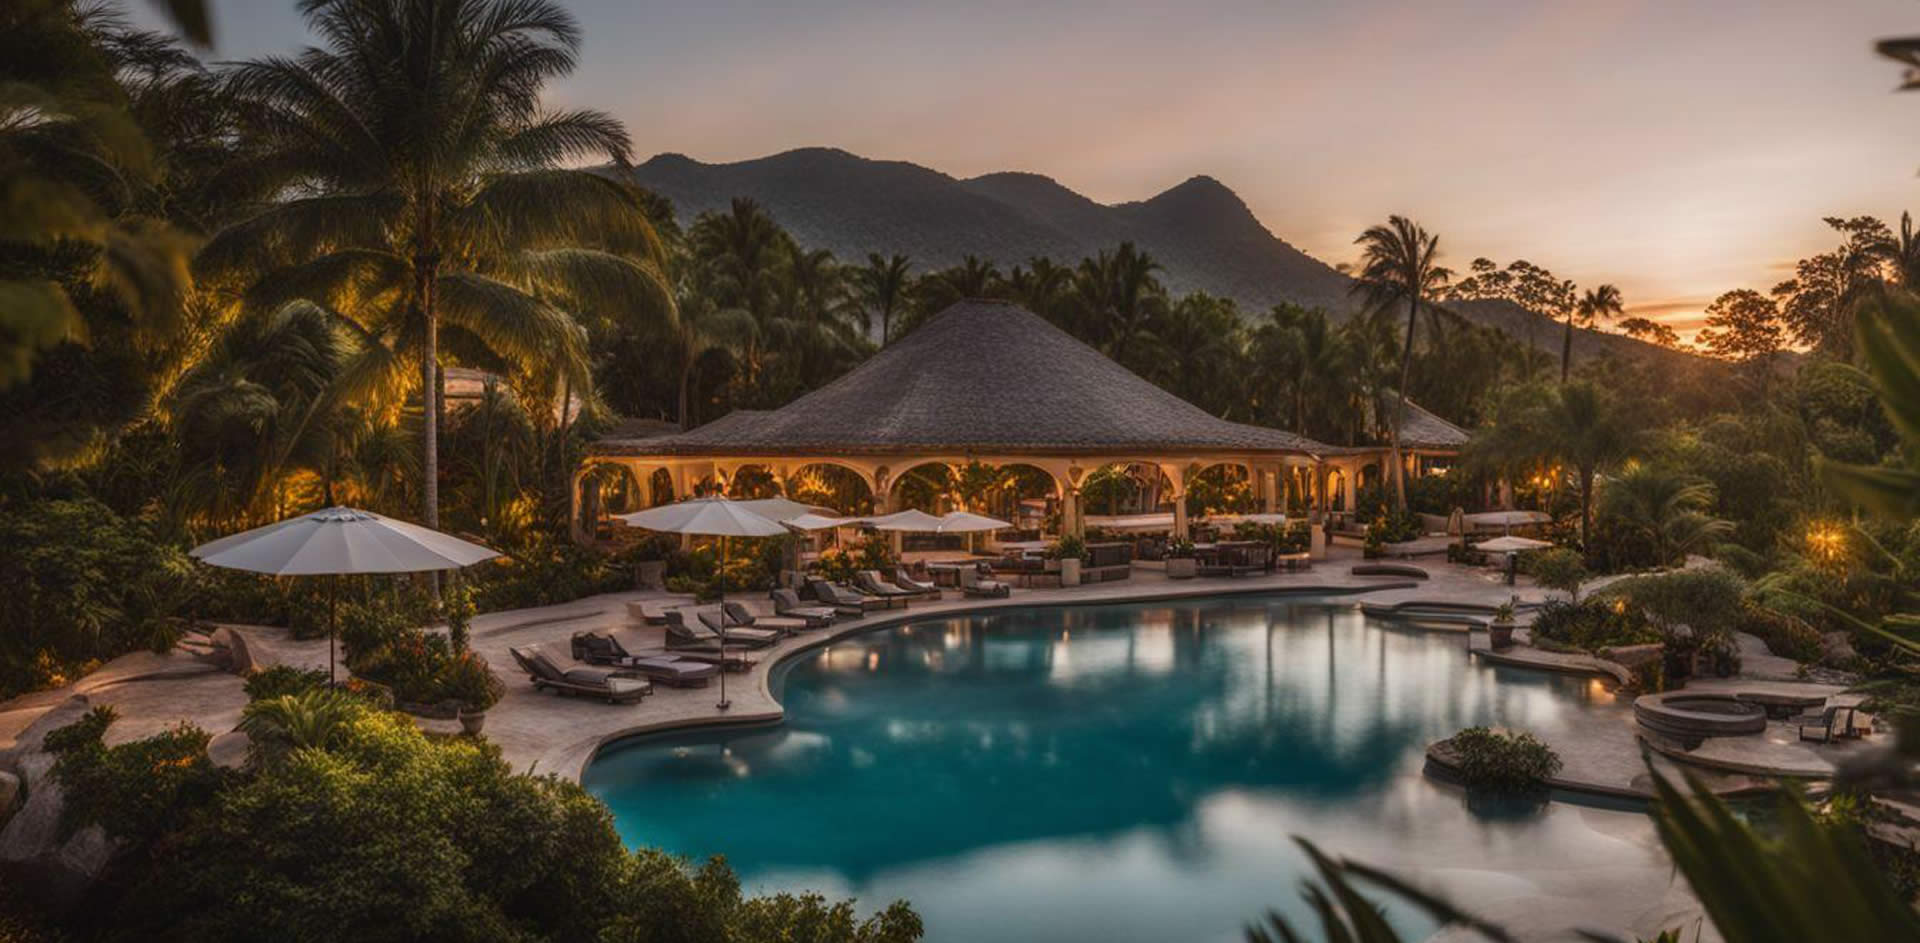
[[1124, 772]]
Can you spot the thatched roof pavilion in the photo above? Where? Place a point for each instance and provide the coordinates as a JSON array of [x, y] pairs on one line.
[[991, 382]]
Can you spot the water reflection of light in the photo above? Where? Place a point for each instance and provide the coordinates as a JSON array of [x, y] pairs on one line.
[[873, 660]]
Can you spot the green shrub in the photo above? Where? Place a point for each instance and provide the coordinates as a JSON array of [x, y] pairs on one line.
[[282, 680], [1711, 600], [1592, 625], [82, 733], [1180, 549], [137, 790], [1068, 547], [385, 834], [1785, 635], [1394, 528], [1505, 762], [1558, 568], [83, 585]]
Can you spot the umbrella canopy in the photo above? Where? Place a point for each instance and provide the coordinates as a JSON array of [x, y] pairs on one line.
[[712, 517], [1457, 522], [1511, 544], [811, 521], [967, 522], [1263, 518], [908, 520], [777, 509], [1509, 518], [341, 540]]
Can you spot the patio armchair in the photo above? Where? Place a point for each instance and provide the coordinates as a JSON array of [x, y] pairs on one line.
[[605, 683], [595, 648], [787, 603], [973, 584], [844, 598], [738, 615], [869, 582], [1826, 726]]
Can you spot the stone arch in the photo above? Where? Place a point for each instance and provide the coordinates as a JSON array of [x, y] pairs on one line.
[[1221, 486], [841, 486], [922, 484], [1127, 486], [751, 480]]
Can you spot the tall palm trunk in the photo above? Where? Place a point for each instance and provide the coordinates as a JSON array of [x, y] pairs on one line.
[[1400, 411], [425, 273], [1566, 350]]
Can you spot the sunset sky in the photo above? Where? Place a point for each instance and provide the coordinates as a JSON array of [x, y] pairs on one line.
[[1677, 148]]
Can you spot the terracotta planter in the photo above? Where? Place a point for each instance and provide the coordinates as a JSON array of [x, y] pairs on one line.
[[1070, 572], [472, 721], [1182, 568], [1500, 634]]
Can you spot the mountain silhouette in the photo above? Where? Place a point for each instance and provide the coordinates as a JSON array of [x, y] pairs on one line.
[[1201, 232]]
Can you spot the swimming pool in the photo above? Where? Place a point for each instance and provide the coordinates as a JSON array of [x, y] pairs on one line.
[[1118, 772]]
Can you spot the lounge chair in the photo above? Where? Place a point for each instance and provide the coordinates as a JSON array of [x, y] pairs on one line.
[[841, 596], [786, 602], [705, 632], [905, 580], [649, 611], [973, 584], [672, 670], [579, 679], [1827, 726], [869, 582], [738, 617]]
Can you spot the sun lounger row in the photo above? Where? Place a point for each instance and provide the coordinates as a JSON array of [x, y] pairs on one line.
[[608, 683]]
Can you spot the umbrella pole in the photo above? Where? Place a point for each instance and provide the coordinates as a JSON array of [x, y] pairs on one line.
[[333, 593], [722, 576]]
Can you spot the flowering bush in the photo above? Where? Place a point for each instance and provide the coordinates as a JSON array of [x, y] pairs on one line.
[[1504, 762]]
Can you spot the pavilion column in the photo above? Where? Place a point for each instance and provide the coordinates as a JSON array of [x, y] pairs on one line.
[[1181, 529], [1269, 482]]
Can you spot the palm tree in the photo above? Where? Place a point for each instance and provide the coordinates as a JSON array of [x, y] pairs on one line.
[[883, 288], [1584, 429], [1597, 303], [739, 258], [1668, 508], [316, 718], [1042, 286], [423, 189], [1399, 264], [704, 328], [1120, 300]]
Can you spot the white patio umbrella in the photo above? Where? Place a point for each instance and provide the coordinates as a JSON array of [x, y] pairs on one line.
[[710, 517], [907, 520], [967, 522], [812, 521], [1511, 546], [777, 509], [337, 541]]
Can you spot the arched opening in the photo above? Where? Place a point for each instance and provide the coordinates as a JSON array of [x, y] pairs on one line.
[[604, 489], [1222, 488], [928, 486], [753, 482], [1126, 488], [831, 485]]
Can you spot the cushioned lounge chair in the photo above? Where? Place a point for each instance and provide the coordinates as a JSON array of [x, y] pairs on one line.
[[973, 584], [870, 582], [905, 580], [650, 611], [606, 683], [673, 670], [787, 603], [836, 595], [739, 616], [704, 632], [713, 617]]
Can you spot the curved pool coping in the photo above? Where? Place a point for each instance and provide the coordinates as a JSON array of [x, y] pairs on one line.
[[576, 768]]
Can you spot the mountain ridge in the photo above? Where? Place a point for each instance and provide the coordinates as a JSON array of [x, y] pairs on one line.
[[1203, 234]]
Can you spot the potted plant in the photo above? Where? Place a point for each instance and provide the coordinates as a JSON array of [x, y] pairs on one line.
[[468, 680], [1070, 551], [1180, 562], [1500, 630]]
